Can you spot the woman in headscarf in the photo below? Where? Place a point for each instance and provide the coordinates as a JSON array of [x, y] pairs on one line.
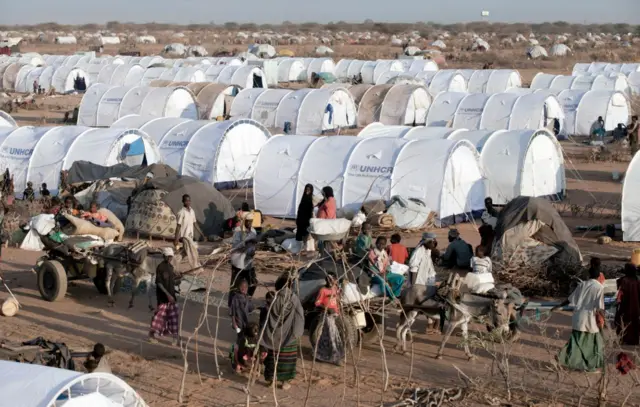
[[330, 345], [585, 349], [628, 312], [305, 213], [327, 208], [283, 328]]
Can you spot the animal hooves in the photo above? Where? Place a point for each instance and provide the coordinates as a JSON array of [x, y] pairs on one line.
[[471, 357], [439, 357]]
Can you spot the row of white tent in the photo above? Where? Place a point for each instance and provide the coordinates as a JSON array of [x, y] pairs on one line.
[[19, 77], [102, 105], [441, 167], [6, 120], [317, 111], [568, 112], [618, 83], [603, 68]]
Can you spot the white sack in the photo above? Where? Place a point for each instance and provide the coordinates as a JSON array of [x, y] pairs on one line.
[[408, 213], [32, 242], [43, 224], [329, 229]]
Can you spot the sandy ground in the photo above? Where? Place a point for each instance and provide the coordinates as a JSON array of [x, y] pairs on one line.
[[82, 318]]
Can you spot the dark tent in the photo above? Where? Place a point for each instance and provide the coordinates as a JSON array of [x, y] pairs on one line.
[[85, 171], [211, 207], [527, 224]]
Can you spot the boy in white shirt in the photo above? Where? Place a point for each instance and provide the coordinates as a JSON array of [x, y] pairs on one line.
[[481, 264]]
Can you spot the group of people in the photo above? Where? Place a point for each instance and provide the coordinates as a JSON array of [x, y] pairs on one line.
[[630, 133], [585, 349]]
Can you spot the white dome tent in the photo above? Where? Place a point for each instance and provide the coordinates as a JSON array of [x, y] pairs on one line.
[[519, 163], [310, 111], [514, 163], [370, 70], [258, 104], [394, 105], [490, 80], [152, 74], [581, 82], [220, 153], [38, 154], [245, 76], [631, 202], [499, 111], [560, 50], [102, 105], [291, 70], [420, 65], [582, 108], [42, 386], [536, 52], [443, 173], [63, 79], [597, 68], [6, 120], [442, 81], [121, 75], [318, 65], [314, 111], [60, 78]]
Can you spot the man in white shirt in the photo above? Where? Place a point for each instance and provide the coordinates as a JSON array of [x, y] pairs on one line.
[[422, 272], [186, 221], [244, 231]]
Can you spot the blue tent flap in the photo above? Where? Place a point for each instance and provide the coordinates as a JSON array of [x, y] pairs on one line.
[[135, 148]]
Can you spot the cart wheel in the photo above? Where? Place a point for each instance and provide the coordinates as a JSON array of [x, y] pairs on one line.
[[370, 332], [349, 330], [52, 280]]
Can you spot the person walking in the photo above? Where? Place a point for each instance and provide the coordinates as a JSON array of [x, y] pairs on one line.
[[282, 331], [166, 318], [628, 312], [585, 349]]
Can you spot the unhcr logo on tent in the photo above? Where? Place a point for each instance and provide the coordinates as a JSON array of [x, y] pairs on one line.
[[19, 152], [359, 170], [176, 144]]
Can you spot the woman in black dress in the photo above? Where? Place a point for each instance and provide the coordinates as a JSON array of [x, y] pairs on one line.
[[305, 213]]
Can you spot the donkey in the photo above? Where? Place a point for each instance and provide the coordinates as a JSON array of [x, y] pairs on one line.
[[461, 311], [136, 260]]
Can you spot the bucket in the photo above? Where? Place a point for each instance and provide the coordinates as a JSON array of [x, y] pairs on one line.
[[635, 257], [10, 307], [360, 319]]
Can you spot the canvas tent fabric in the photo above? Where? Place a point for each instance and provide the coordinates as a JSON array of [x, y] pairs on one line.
[[213, 99], [244, 76], [292, 70], [445, 174], [631, 202], [319, 65], [490, 80], [400, 104], [212, 208], [598, 68], [526, 218], [499, 111], [514, 163], [219, 153], [370, 70], [6, 120], [29, 385], [103, 105], [581, 82], [582, 108], [38, 154], [560, 50], [310, 111]]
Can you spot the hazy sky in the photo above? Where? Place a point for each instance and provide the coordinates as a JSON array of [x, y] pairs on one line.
[[274, 11]]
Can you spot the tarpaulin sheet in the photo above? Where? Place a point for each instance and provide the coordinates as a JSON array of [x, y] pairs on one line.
[[85, 171]]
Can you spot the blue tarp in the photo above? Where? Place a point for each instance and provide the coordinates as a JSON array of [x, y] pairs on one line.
[[135, 148]]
